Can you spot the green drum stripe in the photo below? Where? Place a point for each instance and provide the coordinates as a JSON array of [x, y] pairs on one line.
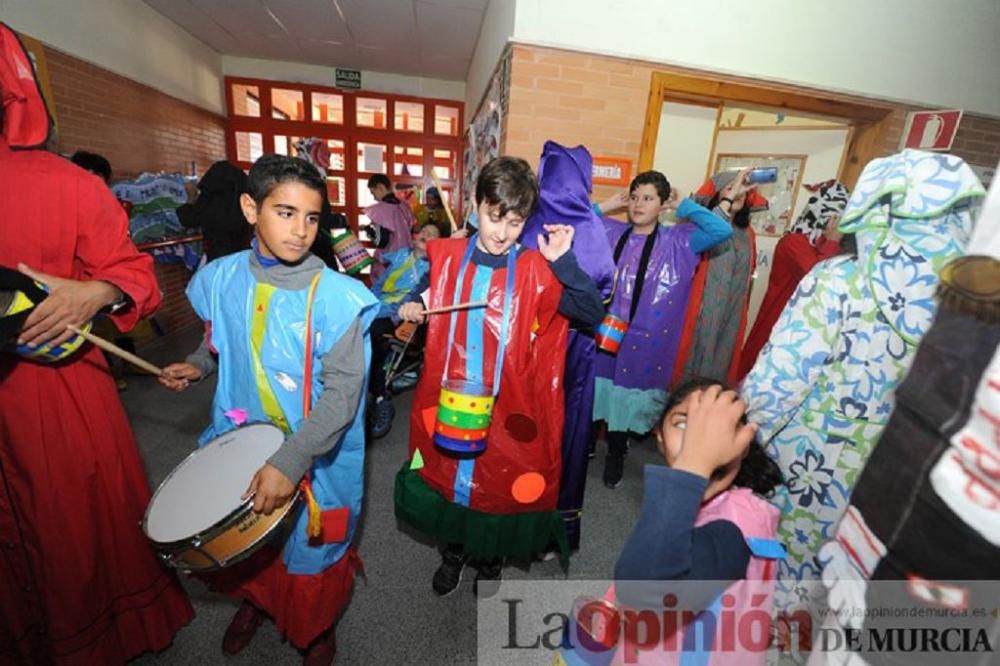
[[462, 420]]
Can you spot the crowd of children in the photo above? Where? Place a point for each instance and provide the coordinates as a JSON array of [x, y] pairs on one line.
[[545, 321]]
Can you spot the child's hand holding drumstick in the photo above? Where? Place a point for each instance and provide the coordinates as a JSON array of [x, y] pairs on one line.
[[178, 376], [415, 312]]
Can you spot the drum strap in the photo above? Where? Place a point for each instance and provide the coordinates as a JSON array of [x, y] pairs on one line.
[[504, 318], [307, 372], [314, 525]]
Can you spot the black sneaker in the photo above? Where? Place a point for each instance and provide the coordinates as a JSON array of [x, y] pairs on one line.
[[488, 577], [382, 414], [449, 574], [591, 450], [614, 470]]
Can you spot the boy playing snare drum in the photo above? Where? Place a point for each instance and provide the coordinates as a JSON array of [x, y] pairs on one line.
[[256, 304], [502, 501]]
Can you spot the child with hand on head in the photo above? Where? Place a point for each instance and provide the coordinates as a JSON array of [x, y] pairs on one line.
[[484, 467], [654, 270], [406, 269], [289, 339], [704, 516]]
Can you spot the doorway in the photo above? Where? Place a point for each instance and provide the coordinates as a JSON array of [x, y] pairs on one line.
[[696, 127]]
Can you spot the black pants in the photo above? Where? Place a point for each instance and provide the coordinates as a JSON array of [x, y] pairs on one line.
[[617, 443]]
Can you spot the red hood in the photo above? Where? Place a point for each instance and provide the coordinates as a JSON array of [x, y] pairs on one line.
[[26, 119]]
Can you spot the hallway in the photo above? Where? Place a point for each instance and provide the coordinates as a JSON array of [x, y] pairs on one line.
[[394, 617]]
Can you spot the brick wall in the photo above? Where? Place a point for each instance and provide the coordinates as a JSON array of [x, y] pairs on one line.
[[978, 140], [576, 98], [600, 102], [138, 129]]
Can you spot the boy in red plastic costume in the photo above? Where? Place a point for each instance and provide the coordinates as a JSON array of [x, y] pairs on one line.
[[501, 502], [80, 584]]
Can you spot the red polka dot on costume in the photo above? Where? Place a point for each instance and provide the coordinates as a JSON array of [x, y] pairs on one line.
[[528, 487], [521, 427]]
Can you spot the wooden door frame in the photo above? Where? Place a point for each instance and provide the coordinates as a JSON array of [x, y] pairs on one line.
[[868, 120]]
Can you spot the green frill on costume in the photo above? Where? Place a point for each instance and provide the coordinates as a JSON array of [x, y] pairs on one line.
[[483, 535]]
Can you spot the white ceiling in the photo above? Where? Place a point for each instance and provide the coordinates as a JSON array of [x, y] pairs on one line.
[[431, 38]]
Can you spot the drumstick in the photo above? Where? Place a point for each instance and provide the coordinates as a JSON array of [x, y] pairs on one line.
[[112, 348], [451, 218], [457, 306]]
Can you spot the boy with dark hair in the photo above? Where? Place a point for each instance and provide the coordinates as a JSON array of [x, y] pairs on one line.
[[215, 209], [406, 270], [256, 305], [94, 163], [654, 268], [497, 498], [392, 222]]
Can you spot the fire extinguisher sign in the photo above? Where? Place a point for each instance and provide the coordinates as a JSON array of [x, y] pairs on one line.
[[931, 130]]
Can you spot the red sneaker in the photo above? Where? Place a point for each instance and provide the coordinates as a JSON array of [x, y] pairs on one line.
[[241, 629], [322, 651]]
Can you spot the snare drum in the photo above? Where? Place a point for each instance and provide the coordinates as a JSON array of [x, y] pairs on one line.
[[196, 519]]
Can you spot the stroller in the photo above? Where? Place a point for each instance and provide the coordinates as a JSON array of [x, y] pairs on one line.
[[402, 370]]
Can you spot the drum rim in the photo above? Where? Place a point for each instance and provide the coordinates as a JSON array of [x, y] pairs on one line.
[[175, 547], [214, 527]]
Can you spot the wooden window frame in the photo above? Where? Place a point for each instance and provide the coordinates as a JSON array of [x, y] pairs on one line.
[[351, 134]]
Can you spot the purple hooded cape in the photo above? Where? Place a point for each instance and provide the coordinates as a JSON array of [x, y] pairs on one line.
[[564, 179]]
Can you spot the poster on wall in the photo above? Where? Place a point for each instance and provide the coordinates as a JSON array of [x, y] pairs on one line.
[[780, 194], [485, 133]]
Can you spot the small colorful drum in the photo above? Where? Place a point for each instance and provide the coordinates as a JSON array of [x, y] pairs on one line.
[[463, 416], [404, 332], [351, 253], [196, 519], [17, 302], [610, 333]]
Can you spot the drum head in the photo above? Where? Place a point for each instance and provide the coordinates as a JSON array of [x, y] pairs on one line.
[[207, 486]]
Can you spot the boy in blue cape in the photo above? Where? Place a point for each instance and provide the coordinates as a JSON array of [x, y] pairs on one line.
[[289, 339]]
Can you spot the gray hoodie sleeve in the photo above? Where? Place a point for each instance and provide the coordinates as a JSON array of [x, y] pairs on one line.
[[343, 383], [203, 359]]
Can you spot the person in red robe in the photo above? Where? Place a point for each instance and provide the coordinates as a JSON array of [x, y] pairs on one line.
[[813, 238], [79, 583]]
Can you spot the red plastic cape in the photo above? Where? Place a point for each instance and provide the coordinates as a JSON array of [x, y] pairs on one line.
[[526, 429], [26, 119]]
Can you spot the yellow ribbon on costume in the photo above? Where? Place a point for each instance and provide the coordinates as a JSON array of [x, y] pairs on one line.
[[467, 404], [314, 526]]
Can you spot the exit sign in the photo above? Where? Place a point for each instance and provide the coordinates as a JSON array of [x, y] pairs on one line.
[[349, 78]]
